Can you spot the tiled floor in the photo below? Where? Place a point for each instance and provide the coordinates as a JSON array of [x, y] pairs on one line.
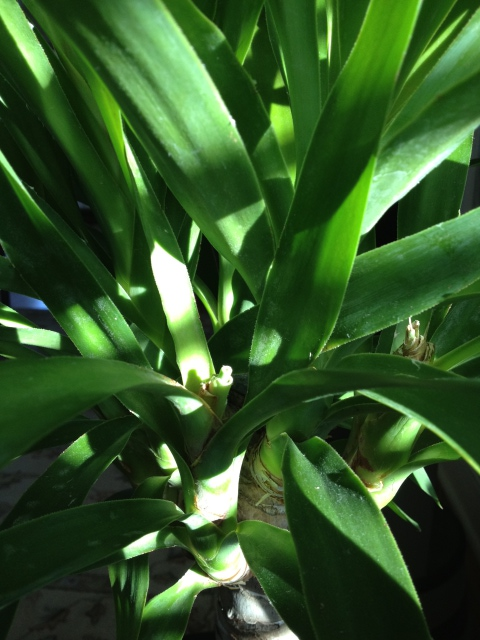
[[80, 607]]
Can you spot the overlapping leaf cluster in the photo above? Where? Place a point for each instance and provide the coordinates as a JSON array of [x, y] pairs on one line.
[[191, 186]]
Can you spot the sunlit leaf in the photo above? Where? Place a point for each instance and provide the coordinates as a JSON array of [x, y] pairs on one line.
[[300, 305], [166, 615], [65, 542], [351, 553]]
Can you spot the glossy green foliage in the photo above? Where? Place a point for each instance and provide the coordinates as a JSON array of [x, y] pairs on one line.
[[191, 188], [76, 538], [351, 542], [323, 228], [129, 580], [323, 495], [263, 544], [166, 615]]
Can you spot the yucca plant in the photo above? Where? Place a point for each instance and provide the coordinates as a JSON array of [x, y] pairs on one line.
[[192, 189]]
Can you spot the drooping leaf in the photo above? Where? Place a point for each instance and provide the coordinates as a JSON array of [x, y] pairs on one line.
[[67, 481], [61, 388], [197, 147], [351, 554], [69, 541], [447, 403], [406, 277]]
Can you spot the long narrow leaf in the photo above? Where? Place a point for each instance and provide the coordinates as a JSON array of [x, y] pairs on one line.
[[10, 279], [60, 278], [242, 100], [129, 580], [299, 308], [440, 114], [41, 340], [351, 554], [296, 28], [61, 388], [67, 481], [176, 289], [29, 70], [345, 19], [439, 195], [238, 21], [394, 381], [430, 266], [162, 87], [68, 541]]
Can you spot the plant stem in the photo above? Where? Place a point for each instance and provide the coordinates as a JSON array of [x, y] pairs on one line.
[[245, 612]]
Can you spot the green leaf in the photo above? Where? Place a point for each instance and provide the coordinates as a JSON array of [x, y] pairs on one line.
[[231, 343], [175, 289], [408, 276], [344, 21], [67, 481], [447, 403], [40, 339], [12, 318], [59, 275], [432, 124], [166, 615], [240, 96], [271, 555], [300, 306], [460, 325], [10, 279], [61, 388], [352, 554], [436, 22], [46, 549], [129, 580], [439, 195], [67, 433], [29, 70], [424, 482], [42, 152], [238, 21], [197, 147], [296, 29]]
